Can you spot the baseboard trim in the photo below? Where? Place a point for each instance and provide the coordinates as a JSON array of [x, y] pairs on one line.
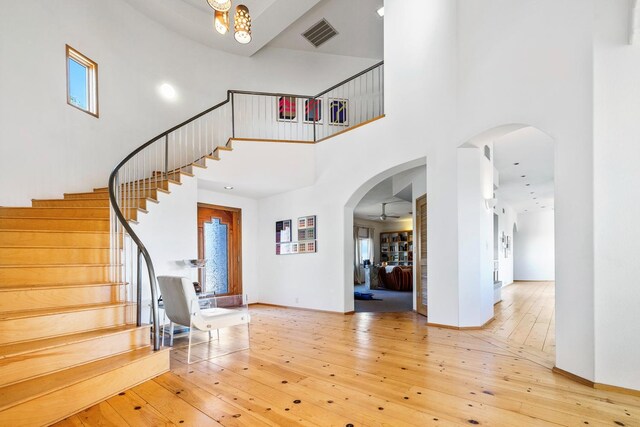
[[461, 328], [299, 308], [615, 388], [573, 377], [597, 386], [531, 281]]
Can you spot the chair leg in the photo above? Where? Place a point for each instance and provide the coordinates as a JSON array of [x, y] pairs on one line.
[[189, 348], [218, 332], [249, 335], [171, 328], [210, 334]]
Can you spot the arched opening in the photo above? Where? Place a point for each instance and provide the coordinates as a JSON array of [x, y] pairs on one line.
[[512, 167], [397, 187]]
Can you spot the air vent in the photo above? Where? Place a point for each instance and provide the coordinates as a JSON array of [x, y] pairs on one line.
[[320, 33]]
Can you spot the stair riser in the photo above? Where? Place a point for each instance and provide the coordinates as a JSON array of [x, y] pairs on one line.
[[129, 192], [97, 213], [98, 195], [35, 238], [45, 361], [102, 213], [47, 256], [62, 275], [79, 203], [32, 328], [60, 404], [54, 224], [17, 300], [149, 184]]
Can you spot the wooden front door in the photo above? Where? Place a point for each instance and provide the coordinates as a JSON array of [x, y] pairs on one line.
[[421, 255], [219, 242]]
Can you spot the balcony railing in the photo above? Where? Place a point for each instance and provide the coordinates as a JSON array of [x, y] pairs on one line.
[[242, 116]]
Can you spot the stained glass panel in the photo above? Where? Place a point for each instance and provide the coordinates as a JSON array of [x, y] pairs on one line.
[[216, 236]]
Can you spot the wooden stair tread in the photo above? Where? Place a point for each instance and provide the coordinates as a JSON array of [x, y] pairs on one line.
[[151, 199], [18, 230], [54, 218], [55, 207], [54, 247], [28, 287], [15, 349], [40, 286], [15, 394], [144, 184], [58, 265], [53, 311]]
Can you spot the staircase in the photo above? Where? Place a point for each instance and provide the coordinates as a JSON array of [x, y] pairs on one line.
[[68, 339], [69, 268]]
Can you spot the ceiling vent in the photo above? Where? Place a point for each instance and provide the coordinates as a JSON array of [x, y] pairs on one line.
[[320, 33]]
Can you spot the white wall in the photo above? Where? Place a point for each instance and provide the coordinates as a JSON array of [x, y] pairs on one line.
[[506, 222], [74, 151], [475, 237], [534, 247], [617, 205]]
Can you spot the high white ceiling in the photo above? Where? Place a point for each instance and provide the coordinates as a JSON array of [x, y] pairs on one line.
[[360, 29], [533, 151], [277, 23], [194, 20], [370, 207]]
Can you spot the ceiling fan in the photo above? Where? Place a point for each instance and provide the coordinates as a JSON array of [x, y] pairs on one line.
[[383, 215]]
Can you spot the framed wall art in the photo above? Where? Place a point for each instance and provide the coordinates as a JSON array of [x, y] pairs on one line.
[[313, 111], [339, 112], [287, 109]]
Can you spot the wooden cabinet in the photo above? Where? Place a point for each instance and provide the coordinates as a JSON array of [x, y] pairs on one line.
[[396, 247]]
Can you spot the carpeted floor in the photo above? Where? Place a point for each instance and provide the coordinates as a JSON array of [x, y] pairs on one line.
[[392, 301]]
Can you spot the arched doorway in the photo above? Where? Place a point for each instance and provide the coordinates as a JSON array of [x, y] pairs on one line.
[[400, 172], [512, 168]]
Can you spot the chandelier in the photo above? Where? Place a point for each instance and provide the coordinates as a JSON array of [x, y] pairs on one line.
[[241, 20]]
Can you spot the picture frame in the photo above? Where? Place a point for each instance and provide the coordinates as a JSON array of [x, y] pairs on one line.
[[283, 231], [287, 108], [313, 111], [339, 112]]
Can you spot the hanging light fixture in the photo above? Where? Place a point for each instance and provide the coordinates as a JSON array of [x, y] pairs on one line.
[[242, 24], [241, 20], [221, 22], [220, 5]]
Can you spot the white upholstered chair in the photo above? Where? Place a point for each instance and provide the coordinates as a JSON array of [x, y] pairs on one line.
[[182, 307]]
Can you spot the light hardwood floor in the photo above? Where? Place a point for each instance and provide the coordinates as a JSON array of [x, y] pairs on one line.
[[310, 368]]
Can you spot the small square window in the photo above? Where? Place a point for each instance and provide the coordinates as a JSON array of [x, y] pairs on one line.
[[82, 82]]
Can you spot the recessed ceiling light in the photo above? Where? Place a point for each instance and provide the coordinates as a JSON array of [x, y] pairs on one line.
[[381, 11], [523, 176], [516, 164], [543, 207], [533, 192], [526, 210], [527, 185], [534, 198], [228, 187]]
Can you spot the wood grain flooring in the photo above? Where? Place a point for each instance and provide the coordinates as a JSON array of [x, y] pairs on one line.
[[370, 369]]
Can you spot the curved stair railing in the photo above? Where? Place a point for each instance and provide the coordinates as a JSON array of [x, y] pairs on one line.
[[149, 170]]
